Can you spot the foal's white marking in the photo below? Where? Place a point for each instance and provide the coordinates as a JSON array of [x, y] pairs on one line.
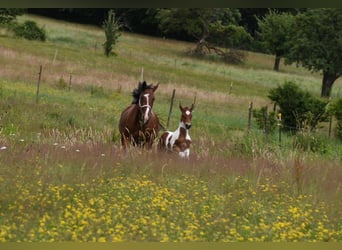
[[173, 136], [185, 153], [187, 112]]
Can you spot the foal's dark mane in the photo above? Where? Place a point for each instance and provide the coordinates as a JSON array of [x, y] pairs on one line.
[[141, 88]]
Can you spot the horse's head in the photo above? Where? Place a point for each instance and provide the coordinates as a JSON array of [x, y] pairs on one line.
[[186, 115], [146, 100]]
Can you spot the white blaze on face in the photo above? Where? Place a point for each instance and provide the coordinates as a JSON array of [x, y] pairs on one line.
[[146, 115], [188, 124]]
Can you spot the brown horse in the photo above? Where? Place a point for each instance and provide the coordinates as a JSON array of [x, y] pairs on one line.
[[178, 141], [139, 125]]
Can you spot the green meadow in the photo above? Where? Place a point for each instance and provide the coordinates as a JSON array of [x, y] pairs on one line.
[[65, 177]]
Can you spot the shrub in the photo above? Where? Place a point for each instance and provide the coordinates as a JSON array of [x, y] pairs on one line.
[[337, 112], [29, 30], [299, 109], [61, 84]]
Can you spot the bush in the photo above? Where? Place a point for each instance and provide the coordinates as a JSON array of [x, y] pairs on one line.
[[299, 109], [30, 31], [61, 84], [337, 112]]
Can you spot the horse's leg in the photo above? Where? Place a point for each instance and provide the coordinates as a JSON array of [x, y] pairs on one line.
[[125, 139], [162, 143], [148, 140]]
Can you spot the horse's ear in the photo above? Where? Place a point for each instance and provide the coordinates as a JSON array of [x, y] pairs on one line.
[[155, 87], [193, 104], [180, 106]]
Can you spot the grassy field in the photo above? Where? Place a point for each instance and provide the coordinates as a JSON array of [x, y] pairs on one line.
[[64, 177]]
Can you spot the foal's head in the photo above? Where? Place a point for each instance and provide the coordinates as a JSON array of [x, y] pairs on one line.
[[186, 115], [144, 97]]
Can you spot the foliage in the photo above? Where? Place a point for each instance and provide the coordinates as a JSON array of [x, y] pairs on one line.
[[30, 31], [275, 32], [61, 84], [267, 121], [337, 111], [299, 108], [111, 28], [197, 22], [9, 15], [211, 27], [139, 20], [317, 43], [307, 141]]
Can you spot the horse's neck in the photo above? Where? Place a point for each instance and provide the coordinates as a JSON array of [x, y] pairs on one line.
[[135, 111], [183, 131], [133, 116]]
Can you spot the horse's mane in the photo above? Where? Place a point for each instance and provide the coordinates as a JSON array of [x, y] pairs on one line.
[[141, 87]]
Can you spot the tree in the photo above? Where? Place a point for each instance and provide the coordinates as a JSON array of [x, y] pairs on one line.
[[139, 20], [210, 27], [275, 30], [111, 28], [316, 44]]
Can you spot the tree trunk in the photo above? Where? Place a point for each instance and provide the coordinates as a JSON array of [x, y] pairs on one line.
[[276, 63], [327, 83]]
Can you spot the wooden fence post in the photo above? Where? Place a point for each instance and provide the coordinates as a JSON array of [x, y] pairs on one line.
[[70, 81], [38, 83], [55, 56], [330, 125], [142, 74], [279, 129], [230, 88], [171, 105], [250, 111], [266, 122]]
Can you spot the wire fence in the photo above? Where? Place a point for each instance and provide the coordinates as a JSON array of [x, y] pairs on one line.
[[280, 128]]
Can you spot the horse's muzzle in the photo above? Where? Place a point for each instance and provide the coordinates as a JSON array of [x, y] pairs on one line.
[[188, 126]]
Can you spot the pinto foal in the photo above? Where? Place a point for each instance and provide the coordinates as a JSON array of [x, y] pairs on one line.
[[178, 141]]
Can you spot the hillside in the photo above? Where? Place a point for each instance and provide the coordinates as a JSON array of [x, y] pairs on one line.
[[76, 50]]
